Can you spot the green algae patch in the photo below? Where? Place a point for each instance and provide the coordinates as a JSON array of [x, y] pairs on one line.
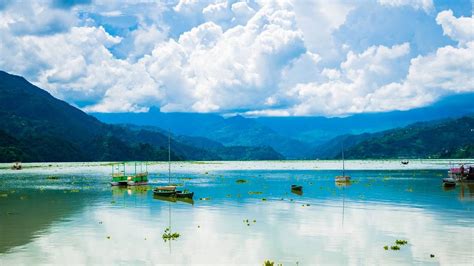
[[401, 242], [255, 192], [240, 181], [168, 235]]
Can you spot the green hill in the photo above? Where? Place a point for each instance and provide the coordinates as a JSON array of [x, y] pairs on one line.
[[38, 127], [453, 138]]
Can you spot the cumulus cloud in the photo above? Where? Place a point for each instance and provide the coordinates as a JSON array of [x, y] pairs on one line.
[[254, 57], [459, 29]]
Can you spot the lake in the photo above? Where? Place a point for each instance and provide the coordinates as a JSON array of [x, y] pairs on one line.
[[67, 213]]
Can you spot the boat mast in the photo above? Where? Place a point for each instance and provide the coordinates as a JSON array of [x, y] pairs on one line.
[[343, 166], [169, 156]]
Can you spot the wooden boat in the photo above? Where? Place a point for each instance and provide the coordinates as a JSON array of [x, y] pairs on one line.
[[296, 187], [164, 193], [184, 194], [449, 182]]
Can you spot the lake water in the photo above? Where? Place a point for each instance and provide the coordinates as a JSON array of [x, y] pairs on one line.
[[69, 214]]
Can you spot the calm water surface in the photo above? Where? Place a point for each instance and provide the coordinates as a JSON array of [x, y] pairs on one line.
[[77, 218]]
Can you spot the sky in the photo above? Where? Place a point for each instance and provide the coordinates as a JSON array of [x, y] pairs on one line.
[[253, 57]]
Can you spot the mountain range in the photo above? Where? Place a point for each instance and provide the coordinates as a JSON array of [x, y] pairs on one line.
[[38, 127]]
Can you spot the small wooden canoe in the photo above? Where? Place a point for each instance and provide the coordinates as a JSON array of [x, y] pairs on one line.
[[164, 193], [296, 187], [184, 194]]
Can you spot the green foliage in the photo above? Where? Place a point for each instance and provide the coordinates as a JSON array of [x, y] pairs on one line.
[[441, 139], [168, 235]]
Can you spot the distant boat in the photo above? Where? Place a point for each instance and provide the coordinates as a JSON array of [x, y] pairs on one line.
[[170, 191], [449, 182], [296, 188], [343, 178], [121, 178], [184, 194], [405, 162], [16, 166]]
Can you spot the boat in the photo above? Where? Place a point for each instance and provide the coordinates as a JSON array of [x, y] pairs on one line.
[[164, 193], [16, 166], [170, 191], [296, 188], [184, 194], [405, 162], [121, 178], [343, 178], [462, 174], [449, 182]]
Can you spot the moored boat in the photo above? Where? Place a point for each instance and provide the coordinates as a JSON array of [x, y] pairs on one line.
[[296, 187], [184, 194], [121, 178], [164, 193], [343, 178]]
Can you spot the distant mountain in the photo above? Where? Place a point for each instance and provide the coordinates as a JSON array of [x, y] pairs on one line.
[[294, 137], [451, 138], [38, 127], [232, 131]]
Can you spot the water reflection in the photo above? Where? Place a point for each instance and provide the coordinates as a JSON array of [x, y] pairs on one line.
[[96, 226]]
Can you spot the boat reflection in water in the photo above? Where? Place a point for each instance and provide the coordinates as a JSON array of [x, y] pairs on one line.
[[466, 192]]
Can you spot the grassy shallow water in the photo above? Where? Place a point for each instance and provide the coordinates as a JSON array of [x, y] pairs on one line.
[[67, 213]]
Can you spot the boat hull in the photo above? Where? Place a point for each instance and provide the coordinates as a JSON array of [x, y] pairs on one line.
[[184, 195], [343, 179]]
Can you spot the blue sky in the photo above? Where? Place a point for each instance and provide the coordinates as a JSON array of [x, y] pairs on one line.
[[255, 57]]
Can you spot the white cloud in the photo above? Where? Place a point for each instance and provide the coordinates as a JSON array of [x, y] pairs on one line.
[[346, 90], [426, 5], [255, 57], [459, 29]]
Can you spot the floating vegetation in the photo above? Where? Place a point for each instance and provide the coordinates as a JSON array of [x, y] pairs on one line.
[[74, 190], [432, 255], [51, 177], [401, 242], [168, 235], [113, 202], [395, 247], [204, 198], [240, 181], [229, 195], [185, 178], [255, 192], [264, 199], [4, 195], [409, 189], [108, 237], [385, 247], [268, 263]]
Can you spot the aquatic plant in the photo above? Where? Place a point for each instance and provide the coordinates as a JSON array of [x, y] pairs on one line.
[[264, 199], [255, 192], [432, 255], [240, 181], [395, 247], [385, 247], [51, 177], [268, 263], [168, 235], [401, 242]]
